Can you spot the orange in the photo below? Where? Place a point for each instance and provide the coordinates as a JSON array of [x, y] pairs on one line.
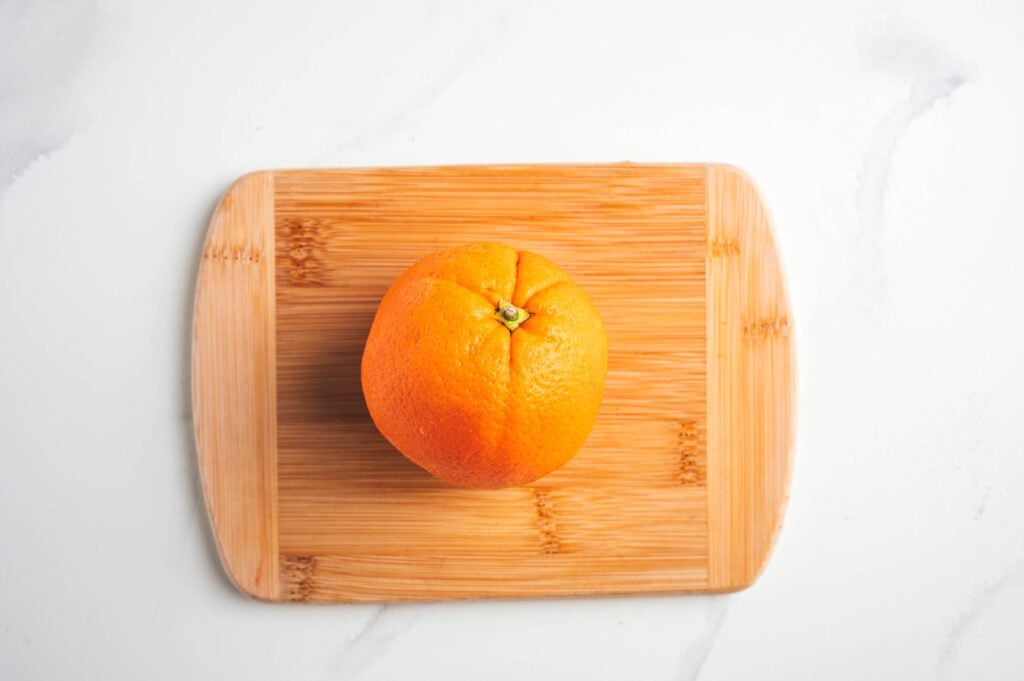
[[485, 365]]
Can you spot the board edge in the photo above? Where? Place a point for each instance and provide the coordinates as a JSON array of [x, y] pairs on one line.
[[235, 433], [752, 365]]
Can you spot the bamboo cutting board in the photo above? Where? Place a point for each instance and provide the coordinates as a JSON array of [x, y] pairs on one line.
[[682, 484]]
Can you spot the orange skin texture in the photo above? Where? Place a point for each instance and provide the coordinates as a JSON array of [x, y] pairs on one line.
[[462, 396]]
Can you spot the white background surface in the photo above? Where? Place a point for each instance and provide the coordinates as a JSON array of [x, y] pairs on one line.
[[886, 138]]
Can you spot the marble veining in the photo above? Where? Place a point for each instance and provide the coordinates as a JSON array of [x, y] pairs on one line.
[[38, 114], [696, 654], [373, 640], [981, 603], [891, 46]]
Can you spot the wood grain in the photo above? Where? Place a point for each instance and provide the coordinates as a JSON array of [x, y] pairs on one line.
[[353, 520], [751, 386], [234, 384]]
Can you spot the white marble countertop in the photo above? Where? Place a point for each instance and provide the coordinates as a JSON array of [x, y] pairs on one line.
[[886, 138]]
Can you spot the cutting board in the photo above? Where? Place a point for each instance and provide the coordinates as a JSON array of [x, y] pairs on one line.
[[681, 486]]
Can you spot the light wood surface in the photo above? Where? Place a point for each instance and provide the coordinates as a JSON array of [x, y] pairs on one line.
[[234, 399], [681, 485], [751, 386]]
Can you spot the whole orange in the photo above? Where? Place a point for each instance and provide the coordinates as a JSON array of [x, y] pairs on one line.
[[485, 365]]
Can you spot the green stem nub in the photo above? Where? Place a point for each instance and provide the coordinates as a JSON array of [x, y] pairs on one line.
[[510, 315]]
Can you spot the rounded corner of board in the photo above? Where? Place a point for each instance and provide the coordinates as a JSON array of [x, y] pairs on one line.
[[735, 172], [258, 585], [751, 572], [251, 187], [253, 181]]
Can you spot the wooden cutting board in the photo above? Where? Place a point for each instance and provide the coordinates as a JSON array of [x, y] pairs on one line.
[[682, 484]]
